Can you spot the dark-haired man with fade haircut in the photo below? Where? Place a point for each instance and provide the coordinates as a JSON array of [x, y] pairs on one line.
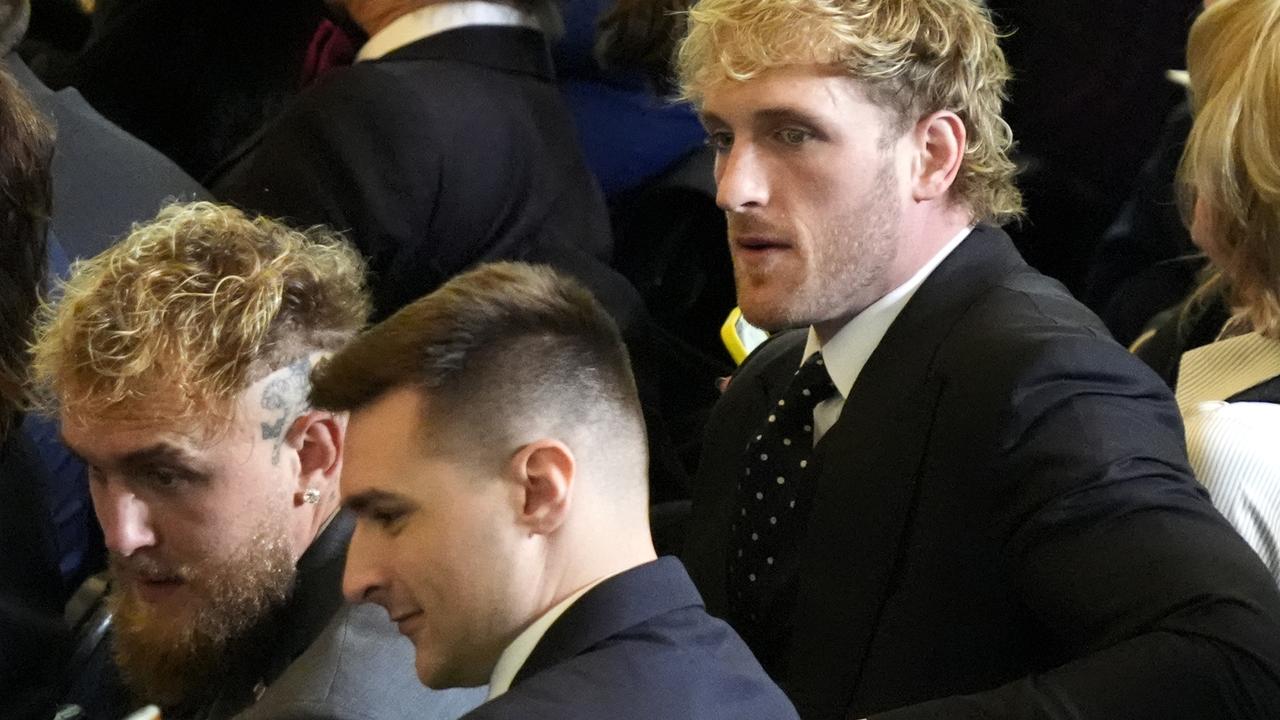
[[179, 362], [497, 466], [948, 493]]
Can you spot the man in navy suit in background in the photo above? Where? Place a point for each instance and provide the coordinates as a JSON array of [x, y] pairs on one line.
[[497, 466]]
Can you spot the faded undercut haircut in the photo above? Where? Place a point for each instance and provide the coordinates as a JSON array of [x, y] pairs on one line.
[[1232, 158], [26, 151], [504, 354], [912, 57], [182, 315]]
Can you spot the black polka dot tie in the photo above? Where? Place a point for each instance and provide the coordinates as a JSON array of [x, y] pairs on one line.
[[774, 492]]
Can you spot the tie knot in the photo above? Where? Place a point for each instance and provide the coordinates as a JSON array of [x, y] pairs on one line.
[[811, 383]]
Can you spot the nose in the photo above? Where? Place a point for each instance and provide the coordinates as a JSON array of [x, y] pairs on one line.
[[125, 518], [740, 179], [362, 580]]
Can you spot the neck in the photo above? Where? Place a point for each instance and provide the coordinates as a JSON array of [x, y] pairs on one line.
[[596, 558], [373, 16]]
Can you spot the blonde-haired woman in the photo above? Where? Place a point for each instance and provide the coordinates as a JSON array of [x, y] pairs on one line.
[[1229, 390]]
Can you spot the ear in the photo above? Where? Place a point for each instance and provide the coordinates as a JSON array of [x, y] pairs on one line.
[[317, 436], [939, 149], [545, 470]]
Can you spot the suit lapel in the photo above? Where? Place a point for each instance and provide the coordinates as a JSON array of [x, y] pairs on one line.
[[868, 479]]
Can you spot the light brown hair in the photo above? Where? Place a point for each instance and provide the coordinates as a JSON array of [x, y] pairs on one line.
[[187, 311], [1231, 164]]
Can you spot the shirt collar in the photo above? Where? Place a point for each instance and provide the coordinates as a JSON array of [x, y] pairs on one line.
[[847, 351], [515, 654], [434, 19], [1221, 369]]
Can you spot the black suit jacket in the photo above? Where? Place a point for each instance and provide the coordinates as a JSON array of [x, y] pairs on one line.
[[444, 153], [1004, 525], [448, 152], [32, 638], [192, 79], [640, 646]]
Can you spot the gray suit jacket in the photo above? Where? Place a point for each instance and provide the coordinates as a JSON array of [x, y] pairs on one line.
[[104, 179], [323, 659], [315, 657], [359, 668]]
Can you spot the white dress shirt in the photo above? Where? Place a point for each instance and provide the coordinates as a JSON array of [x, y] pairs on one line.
[[515, 654], [434, 19], [1233, 446], [847, 351]]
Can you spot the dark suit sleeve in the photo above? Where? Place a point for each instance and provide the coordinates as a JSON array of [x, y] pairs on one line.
[[1159, 609]]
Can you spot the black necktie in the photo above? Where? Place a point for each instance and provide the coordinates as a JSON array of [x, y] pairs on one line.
[[774, 493]]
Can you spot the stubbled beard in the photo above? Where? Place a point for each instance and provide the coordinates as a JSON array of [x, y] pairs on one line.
[[852, 252], [168, 655]]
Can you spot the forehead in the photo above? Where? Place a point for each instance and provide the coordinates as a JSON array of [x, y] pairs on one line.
[[820, 90], [106, 438], [382, 438]]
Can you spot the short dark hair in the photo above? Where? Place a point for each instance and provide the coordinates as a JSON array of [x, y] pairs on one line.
[[507, 348], [26, 196]]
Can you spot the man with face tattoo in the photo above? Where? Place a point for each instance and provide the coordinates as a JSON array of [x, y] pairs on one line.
[[178, 361]]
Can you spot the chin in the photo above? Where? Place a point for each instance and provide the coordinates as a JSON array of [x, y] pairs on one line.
[[771, 317]]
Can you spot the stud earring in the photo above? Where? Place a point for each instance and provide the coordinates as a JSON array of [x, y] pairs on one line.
[[311, 496]]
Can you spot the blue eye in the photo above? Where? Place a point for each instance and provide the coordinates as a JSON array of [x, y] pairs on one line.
[[794, 136]]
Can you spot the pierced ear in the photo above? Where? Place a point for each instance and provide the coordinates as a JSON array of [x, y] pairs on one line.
[[317, 436], [545, 470], [940, 144]]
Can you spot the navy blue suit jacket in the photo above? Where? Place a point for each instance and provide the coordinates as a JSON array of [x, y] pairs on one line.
[[640, 645]]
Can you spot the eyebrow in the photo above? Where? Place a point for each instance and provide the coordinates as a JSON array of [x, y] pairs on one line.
[[158, 454], [710, 118], [362, 501], [785, 114], [775, 114], [161, 453]]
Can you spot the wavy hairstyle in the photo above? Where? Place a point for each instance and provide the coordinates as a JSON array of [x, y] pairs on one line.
[[914, 57], [177, 319], [26, 151], [1231, 165]]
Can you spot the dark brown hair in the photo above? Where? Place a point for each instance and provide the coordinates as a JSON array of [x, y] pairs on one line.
[[26, 195], [499, 351]]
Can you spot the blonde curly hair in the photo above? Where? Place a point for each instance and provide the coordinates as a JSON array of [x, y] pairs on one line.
[[191, 308], [914, 57], [1231, 164]]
